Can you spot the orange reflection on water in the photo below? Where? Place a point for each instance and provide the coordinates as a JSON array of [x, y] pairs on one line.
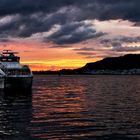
[[60, 105], [58, 100]]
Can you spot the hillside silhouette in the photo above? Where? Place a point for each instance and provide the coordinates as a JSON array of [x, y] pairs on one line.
[[127, 64], [129, 61]]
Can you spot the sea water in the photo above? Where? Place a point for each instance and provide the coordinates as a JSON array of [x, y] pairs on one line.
[[102, 107]]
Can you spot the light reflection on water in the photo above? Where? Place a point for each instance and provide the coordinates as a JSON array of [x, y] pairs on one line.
[[15, 114], [74, 107]]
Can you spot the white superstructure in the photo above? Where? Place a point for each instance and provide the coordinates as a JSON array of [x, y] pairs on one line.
[[12, 73]]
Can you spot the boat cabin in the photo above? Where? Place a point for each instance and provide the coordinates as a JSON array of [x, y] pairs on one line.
[[9, 56]]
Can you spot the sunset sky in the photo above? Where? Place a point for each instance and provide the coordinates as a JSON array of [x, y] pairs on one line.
[[57, 34]]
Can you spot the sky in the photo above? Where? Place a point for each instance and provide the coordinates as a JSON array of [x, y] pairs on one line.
[[62, 34]]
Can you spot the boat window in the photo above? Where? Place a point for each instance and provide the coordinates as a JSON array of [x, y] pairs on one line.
[[10, 59]]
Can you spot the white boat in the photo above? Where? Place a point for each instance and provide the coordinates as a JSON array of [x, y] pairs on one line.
[[12, 73]]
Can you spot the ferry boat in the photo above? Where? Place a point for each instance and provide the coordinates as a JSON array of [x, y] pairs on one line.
[[12, 73]]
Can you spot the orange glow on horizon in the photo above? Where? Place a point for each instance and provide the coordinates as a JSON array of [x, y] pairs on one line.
[[41, 57], [55, 65]]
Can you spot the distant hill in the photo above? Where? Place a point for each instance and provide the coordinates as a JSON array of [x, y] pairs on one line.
[[127, 64], [129, 61]]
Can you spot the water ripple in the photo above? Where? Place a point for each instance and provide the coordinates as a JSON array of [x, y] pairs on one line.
[[73, 107]]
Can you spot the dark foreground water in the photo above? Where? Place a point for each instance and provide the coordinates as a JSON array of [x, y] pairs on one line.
[[73, 108]]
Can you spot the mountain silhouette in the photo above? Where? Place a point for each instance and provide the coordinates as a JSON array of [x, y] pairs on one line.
[[127, 64], [129, 61]]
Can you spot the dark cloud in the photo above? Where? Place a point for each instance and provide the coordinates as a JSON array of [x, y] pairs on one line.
[[74, 33], [127, 39], [5, 40], [26, 26], [121, 39], [59, 46], [8, 7], [99, 54], [102, 55], [24, 18], [110, 9], [127, 49], [86, 53], [117, 43], [99, 9], [84, 49]]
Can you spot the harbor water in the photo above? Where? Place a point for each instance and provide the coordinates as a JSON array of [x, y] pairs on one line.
[[90, 107]]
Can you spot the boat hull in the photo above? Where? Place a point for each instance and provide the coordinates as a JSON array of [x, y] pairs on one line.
[[1, 83], [18, 82]]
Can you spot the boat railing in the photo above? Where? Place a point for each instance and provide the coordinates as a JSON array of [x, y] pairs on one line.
[[18, 72]]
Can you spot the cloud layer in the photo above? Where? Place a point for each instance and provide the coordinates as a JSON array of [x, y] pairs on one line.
[[74, 32], [72, 20], [99, 9]]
